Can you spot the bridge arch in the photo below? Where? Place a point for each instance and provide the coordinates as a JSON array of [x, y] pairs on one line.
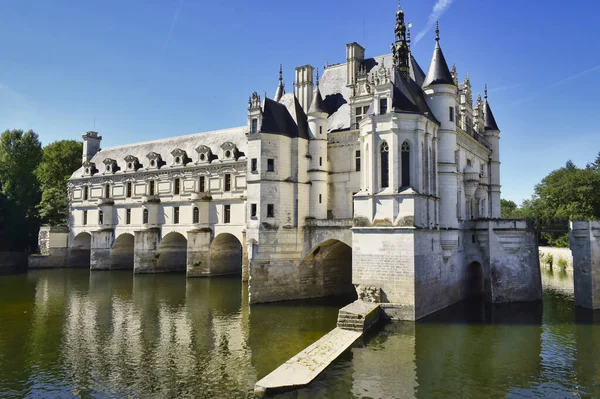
[[79, 252], [225, 255], [122, 252], [172, 253], [475, 279], [328, 266]]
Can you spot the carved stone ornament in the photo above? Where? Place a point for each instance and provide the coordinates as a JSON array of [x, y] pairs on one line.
[[368, 294], [230, 150], [155, 160], [89, 168], [110, 166], [132, 163], [180, 157]]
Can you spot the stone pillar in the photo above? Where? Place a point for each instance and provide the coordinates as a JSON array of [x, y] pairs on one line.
[[198, 252], [145, 253], [102, 241], [585, 246], [245, 261]]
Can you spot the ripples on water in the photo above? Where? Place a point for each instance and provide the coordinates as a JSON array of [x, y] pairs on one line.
[[72, 333]]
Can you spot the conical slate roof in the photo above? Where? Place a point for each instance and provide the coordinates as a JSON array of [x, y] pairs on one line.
[[489, 122], [416, 73], [438, 72], [317, 104]]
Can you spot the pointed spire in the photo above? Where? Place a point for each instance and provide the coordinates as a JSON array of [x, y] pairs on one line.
[[438, 72], [400, 48], [437, 31], [317, 104], [489, 122], [281, 87], [485, 95], [317, 77]]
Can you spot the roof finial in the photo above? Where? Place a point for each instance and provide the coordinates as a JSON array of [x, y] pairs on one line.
[[317, 77], [437, 31], [485, 92], [281, 72], [408, 35]]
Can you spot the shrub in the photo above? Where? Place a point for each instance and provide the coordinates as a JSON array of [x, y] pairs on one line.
[[548, 260], [562, 263]]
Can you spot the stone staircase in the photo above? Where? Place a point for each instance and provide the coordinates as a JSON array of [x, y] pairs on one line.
[[358, 316]]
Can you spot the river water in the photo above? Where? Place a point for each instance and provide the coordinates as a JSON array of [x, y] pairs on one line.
[[75, 333]]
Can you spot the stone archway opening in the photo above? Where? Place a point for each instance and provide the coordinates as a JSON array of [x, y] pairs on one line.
[[475, 279], [225, 255], [79, 252], [328, 268], [122, 252], [172, 253]]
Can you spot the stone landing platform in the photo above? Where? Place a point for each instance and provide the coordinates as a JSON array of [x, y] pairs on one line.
[[304, 367]]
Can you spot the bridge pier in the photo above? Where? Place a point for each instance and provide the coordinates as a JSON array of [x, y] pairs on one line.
[[198, 252], [100, 252], [145, 254], [584, 237]]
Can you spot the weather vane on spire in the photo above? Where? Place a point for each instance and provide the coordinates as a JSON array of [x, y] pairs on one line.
[[437, 31], [485, 92]]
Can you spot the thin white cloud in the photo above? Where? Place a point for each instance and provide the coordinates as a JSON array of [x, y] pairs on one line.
[[172, 28], [439, 8]]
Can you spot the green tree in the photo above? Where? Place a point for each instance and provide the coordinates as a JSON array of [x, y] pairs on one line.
[[20, 155], [508, 209], [59, 161]]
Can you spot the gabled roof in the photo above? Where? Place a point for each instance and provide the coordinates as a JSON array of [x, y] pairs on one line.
[[438, 72], [278, 119], [317, 104], [489, 122]]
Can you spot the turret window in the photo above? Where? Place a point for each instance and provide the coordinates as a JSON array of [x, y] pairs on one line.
[[270, 165], [320, 129], [357, 161], [270, 210], [254, 128], [100, 217], [451, 114], [145, 216], [253, 209], [385, 164], [405, 161], [320, 161], [253, 165], [383, 106], [196, 215]]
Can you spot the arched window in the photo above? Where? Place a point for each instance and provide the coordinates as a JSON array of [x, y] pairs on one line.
[[196, 215], [385, 165], [145, 218], [405, 161], [100, 217]]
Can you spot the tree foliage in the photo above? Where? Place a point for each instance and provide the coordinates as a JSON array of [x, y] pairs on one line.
[[59, 160], [508, 209], [20, 155]]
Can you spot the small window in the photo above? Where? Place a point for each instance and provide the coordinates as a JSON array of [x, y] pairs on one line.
[[86, 192], [253, 165], [320, 129], [107, 191], [202, 186], [129, 190], [253, 208], [151, 187], [451, 114], [270, 210], [127, 216], [227, 182], [108, 168], [226, 213], [196, 215], [153, 163], [383, 106], [177, 160], [202, 157], [145, 216], [84, 218], [320, 198], [227, 154], [270, 165], [481, 170], [357, 161], [320, 161], [177, 187], [469, 162], [254, 125], [176, 215], [130, 165], [100, 217]]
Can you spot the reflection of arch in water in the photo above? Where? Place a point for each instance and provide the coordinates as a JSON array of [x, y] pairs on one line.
[[122, 252], [225, 255], [79, 253], [328, 268], [172, 253]]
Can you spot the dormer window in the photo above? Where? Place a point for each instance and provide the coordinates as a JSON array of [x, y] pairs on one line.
[[155, 160], [133, 163], [179, 157], [254, 126], [204, 154], [89, 168], [230, 151], [110, 165]]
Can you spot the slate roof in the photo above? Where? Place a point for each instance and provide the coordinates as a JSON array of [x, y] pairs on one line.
[[317, 104], [285, 117], [438, 72], [489, 122], [188, 143]]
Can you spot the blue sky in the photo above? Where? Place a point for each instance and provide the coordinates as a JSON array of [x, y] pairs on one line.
[[156, 68]]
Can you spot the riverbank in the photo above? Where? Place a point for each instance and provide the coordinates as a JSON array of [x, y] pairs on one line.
[[13, 262]]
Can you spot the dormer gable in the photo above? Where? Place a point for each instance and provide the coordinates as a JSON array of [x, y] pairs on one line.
[[180, 157], [205, 154], [132, 163], [110, 166], [154, 160], [89, 168], [229, 151]]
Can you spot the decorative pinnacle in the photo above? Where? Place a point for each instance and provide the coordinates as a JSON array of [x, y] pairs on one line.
[[485, 92], [280, 72], [317, 76], [408, 34], [437, 31]]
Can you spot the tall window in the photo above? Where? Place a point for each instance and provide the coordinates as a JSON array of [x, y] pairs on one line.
[[320, 161], [320, 129], [84, 217], [100, 217], [202, 184], [129, 190], [270, 165], [253, 210], [107, 191], [227, 182], [254, 126], [253, 165], [226, 213], [128, 216], [382, 106], [405, 161], [385, 164], [145, 216], [458, 207], [176, 215], [196, 215], [320, 198], [451, 114], [270, 210], [481, 170], [177, 187], [86, 192], [357, 161], [151, 187]]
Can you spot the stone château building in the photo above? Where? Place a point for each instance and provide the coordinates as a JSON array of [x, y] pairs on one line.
[[376, 177]]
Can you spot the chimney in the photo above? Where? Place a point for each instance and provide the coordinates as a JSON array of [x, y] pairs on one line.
[[91, 145], [355, 55], [304, 85]]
